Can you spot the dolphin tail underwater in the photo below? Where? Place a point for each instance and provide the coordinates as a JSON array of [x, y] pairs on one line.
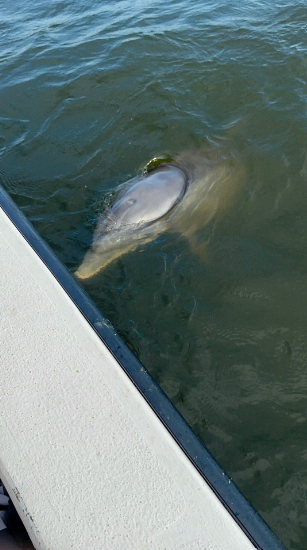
[[182, 195]]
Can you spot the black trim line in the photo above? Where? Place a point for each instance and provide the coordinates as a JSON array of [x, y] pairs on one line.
[[258, 532]]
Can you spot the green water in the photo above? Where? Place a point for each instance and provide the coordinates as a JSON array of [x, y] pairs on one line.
[[89, 93]]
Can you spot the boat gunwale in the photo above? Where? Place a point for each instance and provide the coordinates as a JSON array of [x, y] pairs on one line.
[[249, 520]]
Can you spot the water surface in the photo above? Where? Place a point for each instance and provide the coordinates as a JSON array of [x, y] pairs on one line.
[[89, 93]]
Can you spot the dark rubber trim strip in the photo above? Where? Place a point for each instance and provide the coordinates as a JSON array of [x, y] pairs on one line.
[[229, 495]]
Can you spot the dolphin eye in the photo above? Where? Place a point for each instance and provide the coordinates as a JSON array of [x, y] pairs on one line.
[[131, 202]]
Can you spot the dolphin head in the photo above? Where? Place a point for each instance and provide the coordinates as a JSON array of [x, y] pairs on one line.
[[132, 218]]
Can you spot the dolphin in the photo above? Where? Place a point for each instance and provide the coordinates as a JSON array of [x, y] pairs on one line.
[[181, 195]]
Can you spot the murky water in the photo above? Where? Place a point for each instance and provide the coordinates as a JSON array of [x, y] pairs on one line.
[[90, 91]]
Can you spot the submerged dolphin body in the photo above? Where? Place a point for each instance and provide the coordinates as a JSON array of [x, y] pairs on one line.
[[183, 196]]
